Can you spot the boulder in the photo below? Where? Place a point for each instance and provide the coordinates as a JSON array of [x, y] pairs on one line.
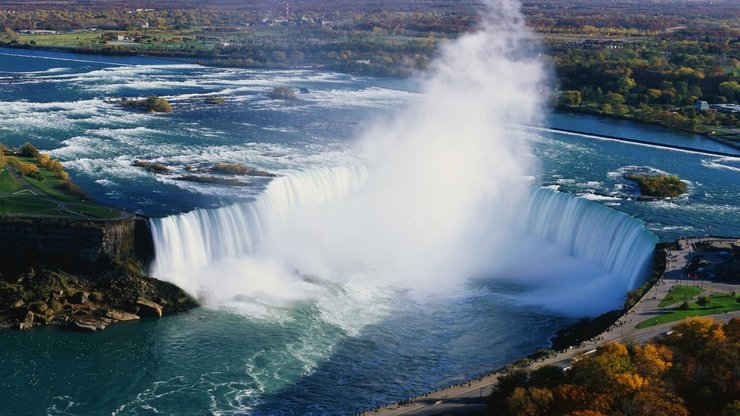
[[119, 315], [87, 324], [148, 308], [79, 297], [27, 322]]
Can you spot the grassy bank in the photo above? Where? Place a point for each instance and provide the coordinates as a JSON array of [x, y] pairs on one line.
[[718, 303], [33, 184]]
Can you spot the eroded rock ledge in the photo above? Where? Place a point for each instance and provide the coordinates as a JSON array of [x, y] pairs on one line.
[[85, 303], [80, 275]]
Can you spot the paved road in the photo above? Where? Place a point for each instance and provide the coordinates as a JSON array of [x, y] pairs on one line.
[[468, 398]]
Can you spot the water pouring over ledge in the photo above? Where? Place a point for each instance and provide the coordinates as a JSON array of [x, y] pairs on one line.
[[439, 193]]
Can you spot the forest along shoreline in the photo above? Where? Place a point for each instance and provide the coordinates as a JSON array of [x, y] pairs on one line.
[[690, 273]]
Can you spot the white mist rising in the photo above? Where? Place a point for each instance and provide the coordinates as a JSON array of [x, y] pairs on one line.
[[442, 177], [441, 193]]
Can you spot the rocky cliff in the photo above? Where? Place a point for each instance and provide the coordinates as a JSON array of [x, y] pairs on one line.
[[80, 275], [75, 246]]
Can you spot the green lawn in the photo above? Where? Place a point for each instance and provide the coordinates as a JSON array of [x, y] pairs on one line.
[[720, 303], [14, 200], [8, 182], [16, 205], [680, 294]]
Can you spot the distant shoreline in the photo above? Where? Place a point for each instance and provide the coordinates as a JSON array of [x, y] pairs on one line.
[[636, 141], [582, 110]]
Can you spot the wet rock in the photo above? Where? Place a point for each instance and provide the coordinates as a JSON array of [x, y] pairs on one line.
[[27, 322], [80, 297], [119, 315], [148, 308], [87, 324]]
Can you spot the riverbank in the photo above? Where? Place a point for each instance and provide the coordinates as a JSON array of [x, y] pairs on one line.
[[636, 142], [731, 141], [468, 398]]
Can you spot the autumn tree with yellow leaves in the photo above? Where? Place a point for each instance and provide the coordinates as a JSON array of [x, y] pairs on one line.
[[693, 371]]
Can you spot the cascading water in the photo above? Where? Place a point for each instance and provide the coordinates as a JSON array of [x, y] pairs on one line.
[[619, 243], [442, 186], [201, 237]]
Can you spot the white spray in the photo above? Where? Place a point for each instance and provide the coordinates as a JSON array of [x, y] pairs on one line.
[[442, 176], [431, 204]]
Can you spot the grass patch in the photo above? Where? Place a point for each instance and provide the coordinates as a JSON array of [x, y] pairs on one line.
[[8, 182], [720, 303], [679, 294], [24, 205], [47, 195]]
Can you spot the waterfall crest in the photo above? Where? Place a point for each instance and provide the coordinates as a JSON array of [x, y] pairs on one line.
[[198, 238], [618, 242]]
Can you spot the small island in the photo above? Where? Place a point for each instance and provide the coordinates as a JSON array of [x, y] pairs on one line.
[[658, 186], [152, 104], [282, 93]]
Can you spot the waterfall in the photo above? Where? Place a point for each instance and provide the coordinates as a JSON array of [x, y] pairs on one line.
[[198, 238], [618, 242]]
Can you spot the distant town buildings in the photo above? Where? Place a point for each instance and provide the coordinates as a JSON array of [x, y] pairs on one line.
[[38, 32], [726, 108], [701, 105], [722, 108]]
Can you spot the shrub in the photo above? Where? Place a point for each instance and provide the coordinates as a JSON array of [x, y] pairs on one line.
[[704, 301], [28, 150], [158, 105], [23, 168], [153, 104], [684, 306], [75, 189], [36, 175]]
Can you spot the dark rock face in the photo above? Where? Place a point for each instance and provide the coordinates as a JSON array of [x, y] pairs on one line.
[[80, 275], [71, 245]]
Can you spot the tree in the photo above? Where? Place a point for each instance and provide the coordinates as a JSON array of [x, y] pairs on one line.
[[28, 150], [570, 97], [532, 401], [730, 90]]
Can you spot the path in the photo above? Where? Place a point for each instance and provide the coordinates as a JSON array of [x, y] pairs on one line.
[[469, 397]]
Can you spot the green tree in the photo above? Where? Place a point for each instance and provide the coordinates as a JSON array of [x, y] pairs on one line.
[[730, 90], [571, 98]]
